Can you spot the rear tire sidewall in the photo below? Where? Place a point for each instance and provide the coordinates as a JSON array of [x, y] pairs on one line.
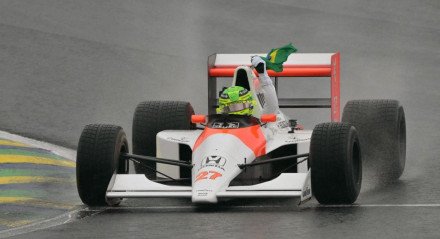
[[353, 165], [401, 145]]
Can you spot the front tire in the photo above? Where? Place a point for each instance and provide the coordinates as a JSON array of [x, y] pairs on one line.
[[336, 165], [99, 148]]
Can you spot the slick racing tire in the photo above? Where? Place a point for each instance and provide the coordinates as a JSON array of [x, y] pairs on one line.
[[336, 163], [150, 118], [382, 132], [97, 159]]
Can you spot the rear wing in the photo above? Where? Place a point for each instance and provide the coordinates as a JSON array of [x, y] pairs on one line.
[[297, 65]]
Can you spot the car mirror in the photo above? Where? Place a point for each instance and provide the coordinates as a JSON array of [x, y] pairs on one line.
[[266, 118], [198, 119]]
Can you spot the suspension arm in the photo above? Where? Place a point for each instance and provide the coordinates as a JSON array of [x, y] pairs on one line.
[[143, 158], [260, 160]]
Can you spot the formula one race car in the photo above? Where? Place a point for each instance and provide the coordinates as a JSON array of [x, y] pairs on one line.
[[218, 156]]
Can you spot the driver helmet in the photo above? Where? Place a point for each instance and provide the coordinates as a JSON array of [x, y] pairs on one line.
[[236, 100]]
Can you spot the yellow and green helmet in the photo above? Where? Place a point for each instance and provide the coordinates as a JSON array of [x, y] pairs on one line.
[[236, 100]]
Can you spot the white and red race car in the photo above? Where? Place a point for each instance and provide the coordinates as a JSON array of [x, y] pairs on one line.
[[220, 156]]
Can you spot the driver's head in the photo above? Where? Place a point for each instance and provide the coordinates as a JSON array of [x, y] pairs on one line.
[[236, 100]]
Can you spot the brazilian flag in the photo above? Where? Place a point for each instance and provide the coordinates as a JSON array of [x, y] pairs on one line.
[[277, 56]]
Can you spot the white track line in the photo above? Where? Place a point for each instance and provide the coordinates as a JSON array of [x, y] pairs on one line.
[[61, 151], [383, 205]]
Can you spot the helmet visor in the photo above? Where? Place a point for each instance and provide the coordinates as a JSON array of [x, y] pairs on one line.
[[236, 107]]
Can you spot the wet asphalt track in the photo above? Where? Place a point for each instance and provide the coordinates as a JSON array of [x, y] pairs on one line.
[[64, 64]]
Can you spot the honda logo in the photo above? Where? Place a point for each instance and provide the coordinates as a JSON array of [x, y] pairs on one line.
[[213, 160]]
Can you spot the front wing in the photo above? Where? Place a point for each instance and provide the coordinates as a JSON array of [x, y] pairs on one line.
[[285, 185]]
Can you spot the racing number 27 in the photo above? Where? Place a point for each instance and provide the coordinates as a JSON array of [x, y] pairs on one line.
[[208, 175]]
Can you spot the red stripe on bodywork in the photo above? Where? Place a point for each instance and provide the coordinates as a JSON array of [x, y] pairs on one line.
[[251, 136]]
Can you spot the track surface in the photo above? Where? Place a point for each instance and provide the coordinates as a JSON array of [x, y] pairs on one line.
[[65, 64], [31, 176]]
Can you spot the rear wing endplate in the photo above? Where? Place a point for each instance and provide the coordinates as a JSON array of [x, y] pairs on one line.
[[297, 65]]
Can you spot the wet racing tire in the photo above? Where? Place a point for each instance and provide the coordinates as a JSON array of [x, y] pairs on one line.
[[150, 118], [336, 163], [382, 131], [99, 148]]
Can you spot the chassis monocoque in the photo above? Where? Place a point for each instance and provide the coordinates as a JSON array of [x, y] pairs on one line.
[[218, 156]]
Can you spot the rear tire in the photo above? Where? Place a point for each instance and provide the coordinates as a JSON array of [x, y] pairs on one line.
[[150, 118], [99, 148], [336, 165], [382, 132]]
